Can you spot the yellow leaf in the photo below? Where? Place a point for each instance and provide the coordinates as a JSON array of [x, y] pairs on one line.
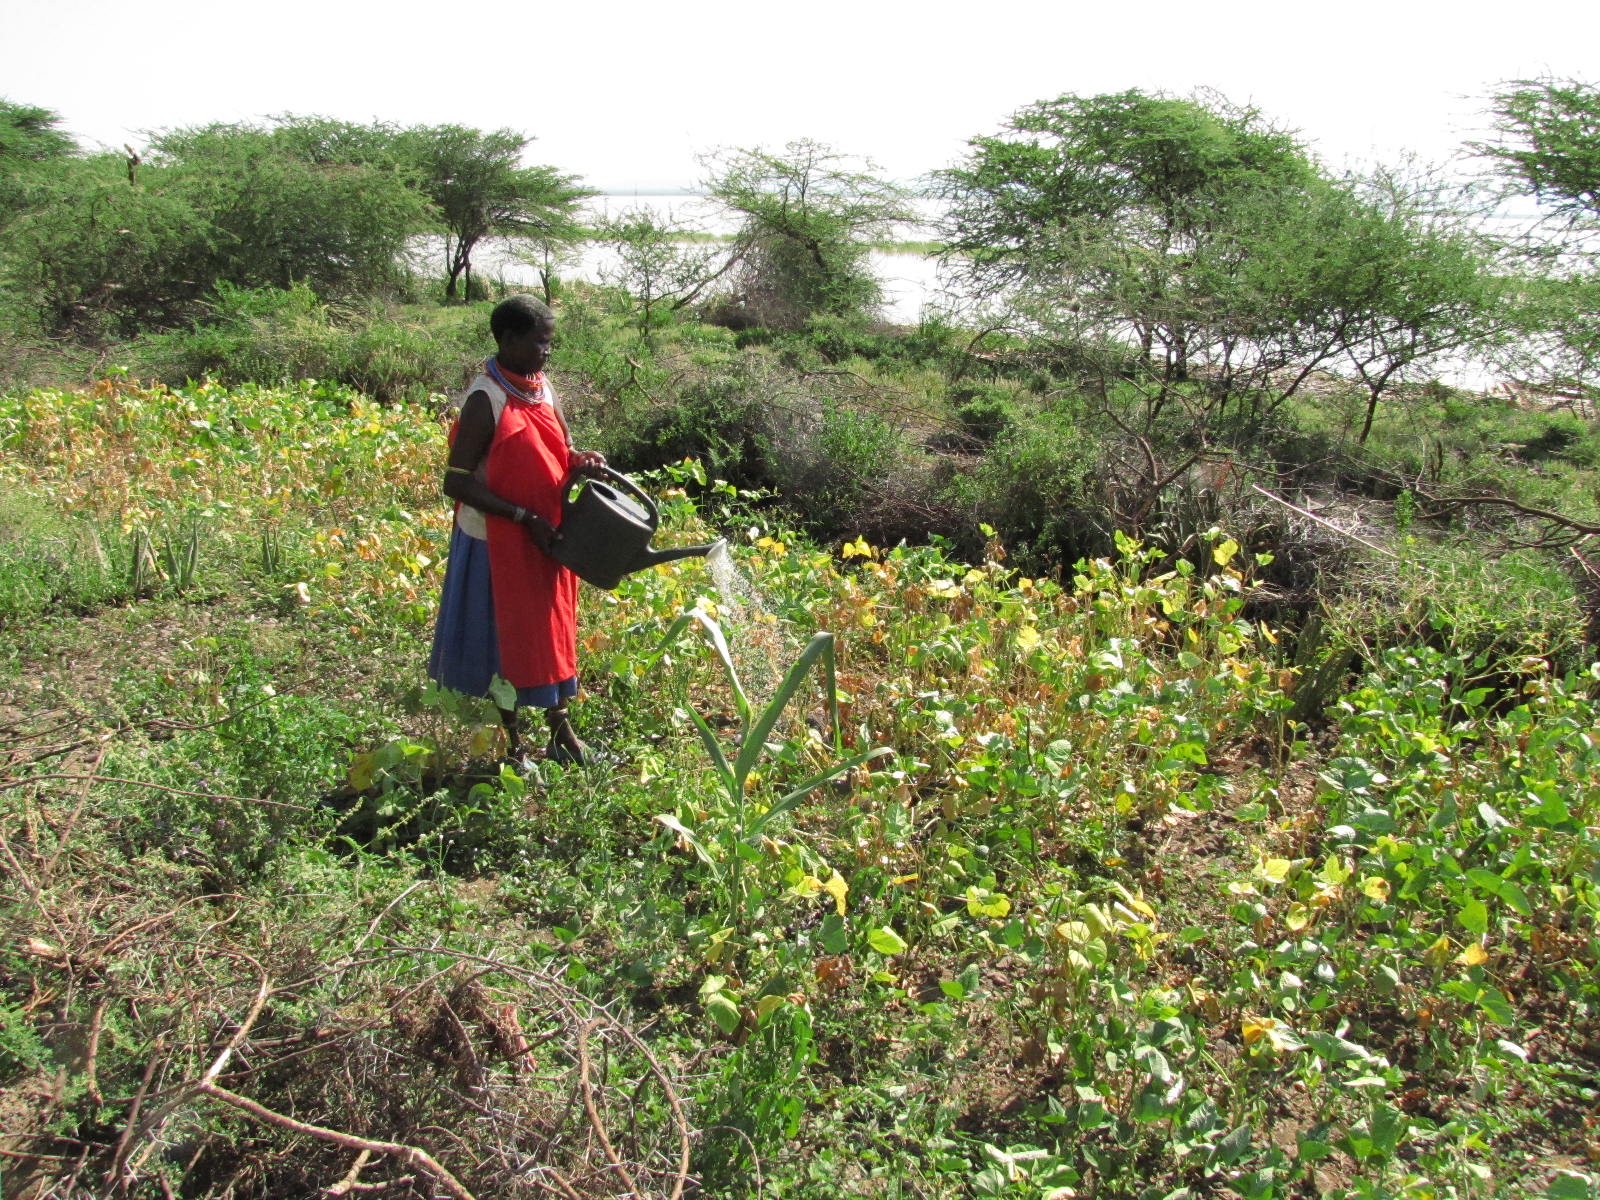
[[362, 769], [838, 889], [1073, 932], [1274, 869], [1298, 917], [1254, 1029], [1376, 887], [1473, 956], [1438, 953]]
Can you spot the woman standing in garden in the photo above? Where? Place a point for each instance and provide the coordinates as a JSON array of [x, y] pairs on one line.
[[508, 608]]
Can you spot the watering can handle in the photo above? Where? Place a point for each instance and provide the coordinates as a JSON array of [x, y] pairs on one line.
[[628, 485]]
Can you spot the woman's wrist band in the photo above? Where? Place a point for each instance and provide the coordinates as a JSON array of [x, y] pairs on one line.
[[519, 514]]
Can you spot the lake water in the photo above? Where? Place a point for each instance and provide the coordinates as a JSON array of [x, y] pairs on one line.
[[911, 281]]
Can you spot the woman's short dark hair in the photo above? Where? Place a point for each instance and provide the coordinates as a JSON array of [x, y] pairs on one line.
[[518, 314]]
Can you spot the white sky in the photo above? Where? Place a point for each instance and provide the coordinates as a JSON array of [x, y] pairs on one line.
[[626, 94]]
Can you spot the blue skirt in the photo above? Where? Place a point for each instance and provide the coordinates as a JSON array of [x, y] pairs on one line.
[[466, 648]]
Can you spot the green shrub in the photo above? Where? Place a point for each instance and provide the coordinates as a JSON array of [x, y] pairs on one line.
[[276, 336], [1040, 487], [985, 411]]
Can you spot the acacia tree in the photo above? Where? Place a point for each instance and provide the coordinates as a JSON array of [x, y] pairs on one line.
[[807, 217], [1134, 213], [30, 144], [241, 204], [480, 190], [1546, 145], [279, 216], [1193, 238]]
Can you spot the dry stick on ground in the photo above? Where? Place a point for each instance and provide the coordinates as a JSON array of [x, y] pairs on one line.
[[110, 947], [92, 1054], [562, 1188], [13, 783], [32, 889], [184, 1091], [588, 1103], [377, 920], [123, 1142], [1323, 521], [77, 811], [352, 1176], [411, 1155], [574, 998]]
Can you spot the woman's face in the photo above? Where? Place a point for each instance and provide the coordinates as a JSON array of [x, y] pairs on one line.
[[526, 353]]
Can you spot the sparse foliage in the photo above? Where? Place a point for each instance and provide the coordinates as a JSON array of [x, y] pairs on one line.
[[807, 215], [658, 270]]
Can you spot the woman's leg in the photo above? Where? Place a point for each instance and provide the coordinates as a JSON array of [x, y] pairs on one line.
[[508, 718], [565, 746]]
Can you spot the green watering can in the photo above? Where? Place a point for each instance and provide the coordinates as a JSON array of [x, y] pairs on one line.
[[606, 531]]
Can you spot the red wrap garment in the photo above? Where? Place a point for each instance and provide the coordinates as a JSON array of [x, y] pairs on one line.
[[535, 597]]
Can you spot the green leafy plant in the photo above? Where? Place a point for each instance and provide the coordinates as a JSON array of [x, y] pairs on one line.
[[732, 838]]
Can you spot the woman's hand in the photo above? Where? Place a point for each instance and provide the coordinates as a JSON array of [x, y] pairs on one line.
[[587, 462], [544, 534]]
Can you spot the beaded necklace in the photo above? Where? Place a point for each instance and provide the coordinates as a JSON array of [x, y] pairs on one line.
[[532, 394]]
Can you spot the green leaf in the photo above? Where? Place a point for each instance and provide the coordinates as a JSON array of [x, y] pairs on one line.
[[503, 693], [1514, 897], [687, 834], [820, 646], [1571, 1185], [981, 902], [812, 784], [1473, 916], [724, 1012], [730, 782], [886, 941], [1337, 1049]]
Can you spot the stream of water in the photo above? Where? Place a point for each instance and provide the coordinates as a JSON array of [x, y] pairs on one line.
[[757, 645]]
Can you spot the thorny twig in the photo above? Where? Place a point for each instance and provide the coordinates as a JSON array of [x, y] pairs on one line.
[[588, 1103], [77, 811], [13, 783], [411, 1155]]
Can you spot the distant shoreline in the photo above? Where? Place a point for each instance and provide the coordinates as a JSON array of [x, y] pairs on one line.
[[648, 191]]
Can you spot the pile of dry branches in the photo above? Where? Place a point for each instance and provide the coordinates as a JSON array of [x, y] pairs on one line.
[[213, 1044]]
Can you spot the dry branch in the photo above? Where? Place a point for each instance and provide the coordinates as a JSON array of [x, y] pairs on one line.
[[14, 783], [1324, 522], [411, 1155]]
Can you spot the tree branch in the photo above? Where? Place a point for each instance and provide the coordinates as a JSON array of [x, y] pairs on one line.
[[410, 1155]]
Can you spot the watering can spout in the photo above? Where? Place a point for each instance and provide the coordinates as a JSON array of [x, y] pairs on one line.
[[650, 557]]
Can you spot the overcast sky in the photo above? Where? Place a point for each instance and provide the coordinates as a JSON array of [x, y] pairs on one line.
[[627, 95]]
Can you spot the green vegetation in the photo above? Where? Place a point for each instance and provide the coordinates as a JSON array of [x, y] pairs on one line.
[[1138, 745], [808, 216]]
